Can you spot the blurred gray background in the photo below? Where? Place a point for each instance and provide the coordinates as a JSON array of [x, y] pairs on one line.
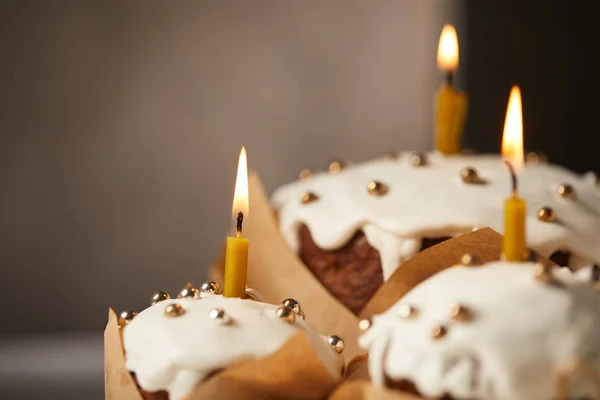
[[120, 127]]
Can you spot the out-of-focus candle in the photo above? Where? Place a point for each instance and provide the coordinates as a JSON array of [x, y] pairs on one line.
[[450, 103], [236, 250], [515, 208], [512, 136]]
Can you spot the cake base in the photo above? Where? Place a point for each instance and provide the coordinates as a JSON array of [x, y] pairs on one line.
[[351, 273]]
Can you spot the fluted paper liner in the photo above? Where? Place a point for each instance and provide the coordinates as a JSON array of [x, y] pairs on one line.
[[363, 390], [278, 273], [118, 383], [294, 372]]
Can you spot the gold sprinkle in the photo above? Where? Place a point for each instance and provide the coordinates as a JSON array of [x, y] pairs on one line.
[[309, 197], [536, 158], [469, 175], [407, 311], [460, 313], [390, 156], [336, 166], [418, 160], [364, 325], [126, 317], [220, 316], [286, 314], [174, 310], [189, 292], [337, 343], [566, 191], [546, 214], [293, 304], [377, 188], [158, 297], [210, 287], [439, 332], [305, 174], [470, 260]]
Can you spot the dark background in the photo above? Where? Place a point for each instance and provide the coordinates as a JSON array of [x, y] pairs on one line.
[[546, 47], [121, 122]]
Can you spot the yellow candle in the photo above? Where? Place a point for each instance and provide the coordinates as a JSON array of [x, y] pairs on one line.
[[236, 250], [514, 245], [515, 208], [450, 103]]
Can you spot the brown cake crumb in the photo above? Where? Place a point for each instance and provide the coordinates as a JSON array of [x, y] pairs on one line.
[[351, 273], [161, 395], [561, 258]]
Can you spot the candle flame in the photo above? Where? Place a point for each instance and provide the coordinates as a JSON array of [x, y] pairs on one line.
[[240, 195], [447, 56], [512, 138]]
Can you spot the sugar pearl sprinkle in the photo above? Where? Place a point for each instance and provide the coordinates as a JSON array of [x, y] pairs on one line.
[[566, 191], [337, 343], [470, 260], [309, 197], [439, 332], [364, 324], [377, 188], [407, 311], [336, 166], [546, 214], [210, 287], [189, 292], [220, 316], [460, 313], [174, 310], [469, 175], [158, 297], [125, 317], [286, 314], [306, 174]]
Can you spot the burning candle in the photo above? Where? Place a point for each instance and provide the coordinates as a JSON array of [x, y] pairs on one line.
[[450, 103], [515, 208], [236, 250]]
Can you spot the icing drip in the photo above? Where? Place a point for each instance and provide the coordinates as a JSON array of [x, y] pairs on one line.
[[175, 354], [521, 333], [392, 249], [432, 201]]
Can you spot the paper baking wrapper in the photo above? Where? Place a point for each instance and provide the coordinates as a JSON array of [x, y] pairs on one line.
[[294, 372], [363, 390], [278, 273]]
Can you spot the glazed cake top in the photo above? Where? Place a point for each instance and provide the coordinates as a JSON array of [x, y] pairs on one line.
[[176, 353], [433, 201], [511, 339]]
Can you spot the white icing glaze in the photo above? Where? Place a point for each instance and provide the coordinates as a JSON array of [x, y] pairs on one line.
[[174, 354], [521, 332], [432, 201]]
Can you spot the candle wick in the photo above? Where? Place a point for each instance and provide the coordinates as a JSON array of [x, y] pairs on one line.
[[240, 221], [449, 78], [513, 176]]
